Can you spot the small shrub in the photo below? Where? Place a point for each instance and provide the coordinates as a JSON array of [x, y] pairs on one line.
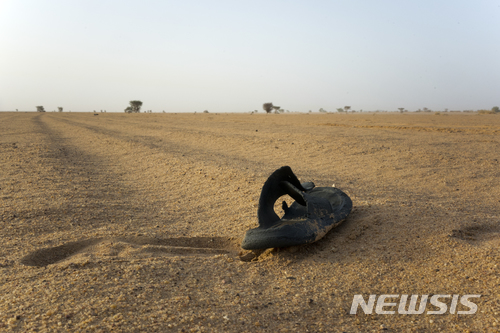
[[486, 112]]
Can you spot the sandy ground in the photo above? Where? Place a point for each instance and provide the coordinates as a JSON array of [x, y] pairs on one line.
[[132, 222]]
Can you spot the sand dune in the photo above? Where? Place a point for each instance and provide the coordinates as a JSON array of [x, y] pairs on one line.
[[132, 222]]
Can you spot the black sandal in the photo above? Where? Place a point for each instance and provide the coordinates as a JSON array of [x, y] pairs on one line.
[[316, 211]]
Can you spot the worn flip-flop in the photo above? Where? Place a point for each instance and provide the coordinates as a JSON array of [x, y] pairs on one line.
[[316, 211]]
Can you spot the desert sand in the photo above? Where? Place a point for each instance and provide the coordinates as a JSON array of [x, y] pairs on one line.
[[132, 222]]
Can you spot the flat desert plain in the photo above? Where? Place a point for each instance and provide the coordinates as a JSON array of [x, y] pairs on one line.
[[133, 222]]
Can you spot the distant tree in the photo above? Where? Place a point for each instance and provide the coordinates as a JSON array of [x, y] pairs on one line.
[[340, 110], [495, 109], [347, 108], [60, 108], [322, 110], [136, 106], [401, 110], [40, 109], [268, 107], [276, 108]]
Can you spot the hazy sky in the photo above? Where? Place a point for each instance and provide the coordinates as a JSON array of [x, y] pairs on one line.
[[233, 56]]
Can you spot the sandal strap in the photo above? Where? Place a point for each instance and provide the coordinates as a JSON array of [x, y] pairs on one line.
[[282, 181]]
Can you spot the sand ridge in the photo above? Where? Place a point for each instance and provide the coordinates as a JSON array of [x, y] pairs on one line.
[[132, 222]]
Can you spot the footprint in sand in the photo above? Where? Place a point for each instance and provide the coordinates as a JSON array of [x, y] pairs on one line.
[[131, 247], [484, 233]]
